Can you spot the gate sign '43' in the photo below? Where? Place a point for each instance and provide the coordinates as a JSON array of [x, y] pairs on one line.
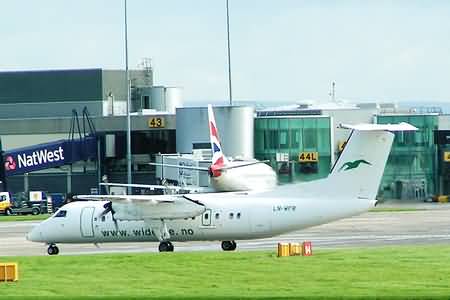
[[156, 122]]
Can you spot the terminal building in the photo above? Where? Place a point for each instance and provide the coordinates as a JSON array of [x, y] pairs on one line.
[[85, 112]]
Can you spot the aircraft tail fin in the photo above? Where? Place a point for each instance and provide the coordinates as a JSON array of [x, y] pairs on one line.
[[218, 158], [359, 169]]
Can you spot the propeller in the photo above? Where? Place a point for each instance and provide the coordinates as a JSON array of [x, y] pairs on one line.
[[108, 208]]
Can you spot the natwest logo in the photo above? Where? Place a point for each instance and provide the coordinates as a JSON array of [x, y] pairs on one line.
[[40, 157], [10, 163]]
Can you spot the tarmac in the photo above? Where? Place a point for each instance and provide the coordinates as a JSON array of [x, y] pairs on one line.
[[419, 224]]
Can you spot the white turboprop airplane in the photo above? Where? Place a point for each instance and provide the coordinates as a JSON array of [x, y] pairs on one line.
[[235, 175], [350, 189]]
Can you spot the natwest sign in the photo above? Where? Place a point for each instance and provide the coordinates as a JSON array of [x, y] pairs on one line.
[[38, 157]]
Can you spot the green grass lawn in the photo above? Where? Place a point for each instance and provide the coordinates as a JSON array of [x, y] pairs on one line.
[[413, 272], [24, 218]]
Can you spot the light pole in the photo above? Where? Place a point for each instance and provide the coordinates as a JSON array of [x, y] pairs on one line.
[[129, 181], [229, 56]]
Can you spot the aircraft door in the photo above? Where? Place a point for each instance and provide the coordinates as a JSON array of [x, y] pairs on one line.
[[260, 222], [206, 218], [86, 225]]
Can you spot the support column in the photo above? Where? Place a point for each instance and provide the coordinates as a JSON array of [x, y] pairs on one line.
[[69, 179], [26, 183]]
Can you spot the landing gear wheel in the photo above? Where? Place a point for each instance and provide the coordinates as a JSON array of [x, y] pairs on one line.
[[229, 245], [52, 250], [165, 247]]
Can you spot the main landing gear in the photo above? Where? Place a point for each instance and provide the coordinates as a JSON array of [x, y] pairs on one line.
[[229, 245], [165, 246], [52, 249]]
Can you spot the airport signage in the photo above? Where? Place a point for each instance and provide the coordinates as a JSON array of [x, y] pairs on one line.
[[156, 122], [30, 159], [305, 157], [447, 156]]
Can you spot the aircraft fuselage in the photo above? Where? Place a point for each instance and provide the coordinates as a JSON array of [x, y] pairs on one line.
[[231, 220]]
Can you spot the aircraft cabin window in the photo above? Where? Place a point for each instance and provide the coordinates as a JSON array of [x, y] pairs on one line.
[[217, 216], [61, 214], [238, 215], [206, 216], [231, 215]]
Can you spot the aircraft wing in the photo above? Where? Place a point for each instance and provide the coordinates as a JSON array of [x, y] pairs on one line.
[[377, 127], [145, 207]]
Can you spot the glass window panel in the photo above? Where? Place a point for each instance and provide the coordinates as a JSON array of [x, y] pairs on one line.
[[296, 123], [309, 139], [417, 121], [284, 142], [385, 119], [419, 138], [295, 139], [309, 123], [267, 139], [283, 123], [260, 124], [259, 141], [323, 141], [273, 123], [408, 138], [323, 123], [274, 139]]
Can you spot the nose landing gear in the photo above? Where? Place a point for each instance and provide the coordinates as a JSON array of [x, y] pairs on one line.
[[229, 245], [52, 249], [165, 246]]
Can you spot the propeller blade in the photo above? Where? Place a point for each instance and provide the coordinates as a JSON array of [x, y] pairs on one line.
[[108, 208]]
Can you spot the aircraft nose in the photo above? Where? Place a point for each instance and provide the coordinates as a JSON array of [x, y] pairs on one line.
[[35, 235]]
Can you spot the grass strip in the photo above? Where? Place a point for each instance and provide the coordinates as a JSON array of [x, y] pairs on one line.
[[399, 272], [16, 218]]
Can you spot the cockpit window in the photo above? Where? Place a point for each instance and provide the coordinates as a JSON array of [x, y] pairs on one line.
[[61, 214]]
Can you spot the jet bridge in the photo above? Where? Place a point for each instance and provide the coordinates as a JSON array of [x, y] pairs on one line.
[[81, 144]]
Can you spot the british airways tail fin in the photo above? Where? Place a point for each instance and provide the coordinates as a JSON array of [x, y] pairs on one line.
[[218, 158]]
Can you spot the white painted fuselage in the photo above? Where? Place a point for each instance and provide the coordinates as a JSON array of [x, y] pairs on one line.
[[255, 177], [350, 189], [234, 219]]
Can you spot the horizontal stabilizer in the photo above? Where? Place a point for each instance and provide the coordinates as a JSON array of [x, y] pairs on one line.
[[379, 127], [243, 164], [180, 167]]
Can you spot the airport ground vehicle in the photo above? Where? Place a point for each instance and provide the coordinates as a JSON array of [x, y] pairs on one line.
[[27, 207], [5, 203], [20, 204]]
